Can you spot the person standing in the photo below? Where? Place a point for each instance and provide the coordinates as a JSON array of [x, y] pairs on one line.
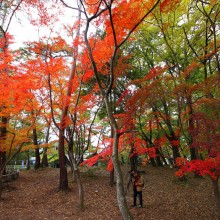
[[138, 185]]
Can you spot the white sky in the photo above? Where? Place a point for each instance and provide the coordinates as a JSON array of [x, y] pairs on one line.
[[22, 30]]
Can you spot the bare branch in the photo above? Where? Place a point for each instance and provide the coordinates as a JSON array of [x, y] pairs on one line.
[[74, 8]]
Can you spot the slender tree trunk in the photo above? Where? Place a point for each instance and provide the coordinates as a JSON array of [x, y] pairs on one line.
[[78, 179], [63, 184], [152, 162], [133, 159], [63, 171], [176, 153], [28, 161], [3, 133], [2, 170], [80, 188], [71, 165], [162, 156], [122, 203], [158, 160], [37, 159], [119, 182], [2, 160], [193, 150], [44, 161], [37, 153], [191, 128]]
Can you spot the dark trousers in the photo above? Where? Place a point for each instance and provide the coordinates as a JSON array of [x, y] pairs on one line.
[[136, 193]]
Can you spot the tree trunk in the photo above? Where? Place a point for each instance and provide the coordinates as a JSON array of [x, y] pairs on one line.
[[37, 159], [158, 160], [191, 128], [78, 179], [2, 170], [63, 184], [44, 162], [193, 150], [162, 156], [28, 161], [2, 161], [133, 159], [152, 162], [80, 188], [3, 133], [119, 182], [37, 153], [122, 203], [176, 153]]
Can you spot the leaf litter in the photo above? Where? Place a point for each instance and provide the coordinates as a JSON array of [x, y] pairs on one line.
[[34, 195]]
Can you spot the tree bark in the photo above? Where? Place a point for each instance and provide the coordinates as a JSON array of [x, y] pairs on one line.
[[133, 160], [122, 203], [63, 184], [2, 137], [37, 153], [44, 161], [2, 160], [158, 160], [78, 179], [62, 159], [119, 182]]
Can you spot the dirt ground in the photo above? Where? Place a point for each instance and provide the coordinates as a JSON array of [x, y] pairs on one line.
[[34, 195]]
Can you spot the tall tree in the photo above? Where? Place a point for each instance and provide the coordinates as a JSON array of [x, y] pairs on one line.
[[119, 24]]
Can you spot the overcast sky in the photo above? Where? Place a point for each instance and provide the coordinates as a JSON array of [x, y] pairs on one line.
[[22, 30]]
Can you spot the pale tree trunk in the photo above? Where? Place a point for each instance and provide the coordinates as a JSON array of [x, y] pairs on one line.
[[78, 180], [75, 167], [122, 203]]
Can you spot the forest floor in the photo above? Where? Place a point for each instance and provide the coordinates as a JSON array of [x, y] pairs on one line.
[[34, 195]]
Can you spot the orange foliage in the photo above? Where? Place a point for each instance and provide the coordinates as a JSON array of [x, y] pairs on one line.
[[168, 5], [154, 72]]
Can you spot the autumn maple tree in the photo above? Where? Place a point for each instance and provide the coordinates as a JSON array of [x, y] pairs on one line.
[[120, 20], [14, 94], [180, 85]]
